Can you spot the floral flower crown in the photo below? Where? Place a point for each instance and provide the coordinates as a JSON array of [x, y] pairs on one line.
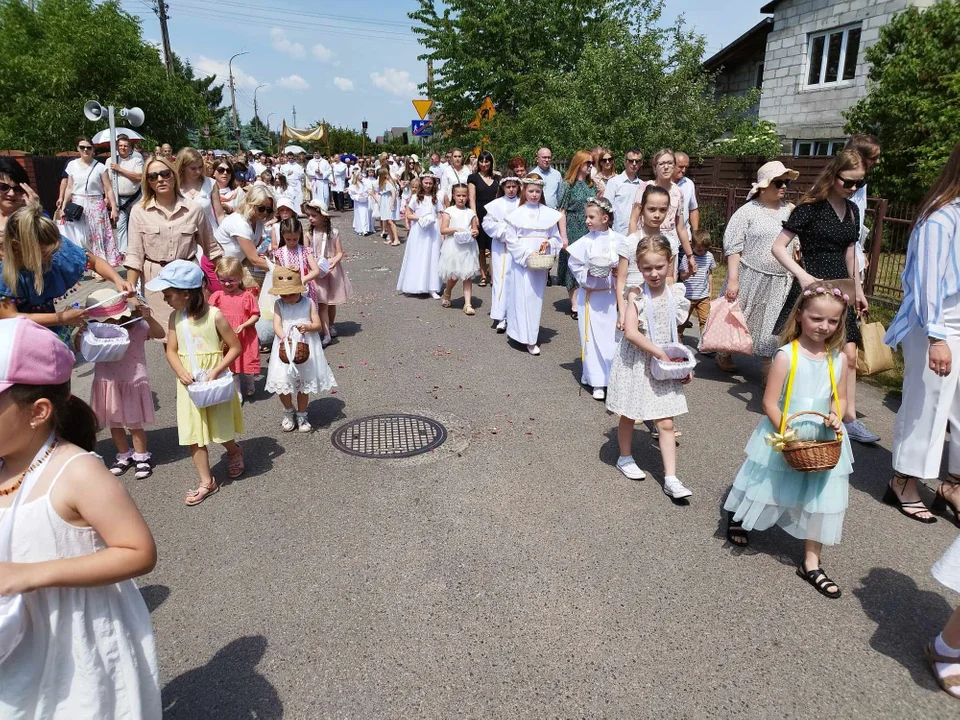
[[820, 290], [601, 203]]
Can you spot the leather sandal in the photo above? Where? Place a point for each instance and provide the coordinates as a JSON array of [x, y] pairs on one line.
[[818, 578], [950, 683], [735, 532], [941, 503], [910, 509], [195, 497]]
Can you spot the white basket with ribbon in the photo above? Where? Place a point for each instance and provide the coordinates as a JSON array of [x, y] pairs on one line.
[[682, 360], [463, 237], [103, 342], [207, 393]]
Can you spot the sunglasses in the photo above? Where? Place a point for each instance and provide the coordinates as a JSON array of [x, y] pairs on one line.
[[634, 161], [5, 188], [152, 176], [84, 148], [606, 159], [265, 209], [223, 170], [850, 184], [781, 184]]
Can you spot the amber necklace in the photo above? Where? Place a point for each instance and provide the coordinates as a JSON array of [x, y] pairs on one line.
[[37, 462]]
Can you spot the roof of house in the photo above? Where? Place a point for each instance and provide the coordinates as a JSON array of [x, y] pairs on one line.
[[768, 8], [740, 47]]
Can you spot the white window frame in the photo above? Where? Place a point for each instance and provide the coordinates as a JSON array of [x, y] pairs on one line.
[[833, 147], [825, 34]]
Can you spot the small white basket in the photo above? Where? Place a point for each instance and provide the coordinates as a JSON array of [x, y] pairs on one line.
[[599, 267], [207, 393], [104, 343], [673, 370], [463, 237], [536, 261]]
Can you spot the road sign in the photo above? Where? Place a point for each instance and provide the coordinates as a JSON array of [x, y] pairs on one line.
[[486, 112], [422, 128], [422, 107]]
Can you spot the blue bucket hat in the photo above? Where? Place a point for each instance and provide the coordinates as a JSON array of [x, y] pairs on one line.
[[179, 274]]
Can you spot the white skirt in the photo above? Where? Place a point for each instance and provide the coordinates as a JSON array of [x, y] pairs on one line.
[[311, 378], [459, 261]]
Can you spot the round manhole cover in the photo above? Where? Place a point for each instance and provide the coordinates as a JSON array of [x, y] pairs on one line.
[[389, 436]]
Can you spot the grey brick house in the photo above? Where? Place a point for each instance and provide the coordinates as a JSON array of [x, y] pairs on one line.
[[808, 61]]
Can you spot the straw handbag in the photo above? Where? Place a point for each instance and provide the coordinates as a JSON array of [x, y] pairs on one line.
[[807, 455], [299, 350]]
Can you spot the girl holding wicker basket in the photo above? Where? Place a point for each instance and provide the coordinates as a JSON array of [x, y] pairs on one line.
[[799, 461]]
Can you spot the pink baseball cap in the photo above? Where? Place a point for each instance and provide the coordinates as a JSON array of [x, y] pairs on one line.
[[30, 354]]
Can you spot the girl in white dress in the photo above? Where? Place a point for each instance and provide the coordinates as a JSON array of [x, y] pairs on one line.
[[360, 196], [87, 648], [634, 394], [389, 202], [591, 256], [531, 229], [88, 187], [495, 225], [420, 271], [295, 320], [459, 254]]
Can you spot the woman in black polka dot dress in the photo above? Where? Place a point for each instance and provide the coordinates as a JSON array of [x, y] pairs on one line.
[[827, 224]]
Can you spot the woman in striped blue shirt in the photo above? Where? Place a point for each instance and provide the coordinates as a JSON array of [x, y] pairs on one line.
[[927, 327]]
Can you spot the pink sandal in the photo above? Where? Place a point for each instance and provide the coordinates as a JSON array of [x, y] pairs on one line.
[[235, 465], [195, 497]]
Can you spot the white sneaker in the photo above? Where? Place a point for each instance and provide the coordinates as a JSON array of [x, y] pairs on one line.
[[435, 296], [533, 349], [599, 394], [502, 326], [287, 424], [628, 466], [857, 431], [303, 425], [675, 489]]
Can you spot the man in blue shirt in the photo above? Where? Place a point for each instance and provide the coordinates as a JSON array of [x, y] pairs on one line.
[[622, 190], [551, 177]]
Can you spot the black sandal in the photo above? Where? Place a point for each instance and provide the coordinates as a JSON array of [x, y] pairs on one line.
[[940, 502], [818, 578], [735, 532], [144, 469], [121, 465], [910, 509]]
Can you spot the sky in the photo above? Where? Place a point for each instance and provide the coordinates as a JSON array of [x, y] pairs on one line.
[[343, 61]]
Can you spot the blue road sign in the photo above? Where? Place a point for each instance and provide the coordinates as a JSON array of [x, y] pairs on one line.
[[422, 128]]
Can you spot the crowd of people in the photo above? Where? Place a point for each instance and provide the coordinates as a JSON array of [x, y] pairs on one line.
[[220, 267]]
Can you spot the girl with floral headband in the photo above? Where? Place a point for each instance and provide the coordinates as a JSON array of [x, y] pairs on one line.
[[807, 375]]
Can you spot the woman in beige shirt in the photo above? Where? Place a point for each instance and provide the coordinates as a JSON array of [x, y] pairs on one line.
[[164, 226]]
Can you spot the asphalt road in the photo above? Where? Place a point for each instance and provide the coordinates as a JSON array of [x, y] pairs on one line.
[[514, 572]]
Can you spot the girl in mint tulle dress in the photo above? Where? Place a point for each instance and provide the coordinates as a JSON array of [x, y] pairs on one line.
[[768, 491]]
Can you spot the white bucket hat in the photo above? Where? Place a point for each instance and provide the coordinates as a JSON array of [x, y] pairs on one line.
[[287, 203], [770, 172]]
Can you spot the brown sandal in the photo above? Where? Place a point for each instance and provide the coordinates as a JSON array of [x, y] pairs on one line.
[[235, 465], [945, 683], [195, 497]]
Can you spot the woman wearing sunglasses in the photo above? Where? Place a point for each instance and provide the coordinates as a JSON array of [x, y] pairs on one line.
[[754, 277], [164, 226], [604, 168], [240, 233], [14, 190], [827, 223], [88, 187], [231, 194]]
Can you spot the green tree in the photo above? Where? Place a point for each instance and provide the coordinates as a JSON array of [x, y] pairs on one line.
[[913, 104], [71, 51], [758, 137]]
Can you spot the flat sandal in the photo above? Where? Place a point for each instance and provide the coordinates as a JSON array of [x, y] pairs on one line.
[[946, 683], [818, 578]]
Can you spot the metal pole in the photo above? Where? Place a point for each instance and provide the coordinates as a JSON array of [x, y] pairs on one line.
[[255, 100], [113, 154], [161, 10], [233, 98]]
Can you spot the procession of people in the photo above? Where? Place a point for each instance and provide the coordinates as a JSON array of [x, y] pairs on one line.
[[234, 264]]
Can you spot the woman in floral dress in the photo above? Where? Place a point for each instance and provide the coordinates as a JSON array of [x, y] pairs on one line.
[[577, 187]]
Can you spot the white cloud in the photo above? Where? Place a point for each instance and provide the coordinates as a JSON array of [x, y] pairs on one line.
[[343, 83], [322, 53], [395, 81], [281, 43], [293, 82], [207, 66]]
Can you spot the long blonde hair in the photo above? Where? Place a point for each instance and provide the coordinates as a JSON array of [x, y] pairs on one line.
[[148, 193], [791, 331], [256, 195], [846, 160], [28, 241], [187, 157]]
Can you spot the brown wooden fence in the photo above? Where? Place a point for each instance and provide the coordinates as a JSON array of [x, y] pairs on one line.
[[727, 171]]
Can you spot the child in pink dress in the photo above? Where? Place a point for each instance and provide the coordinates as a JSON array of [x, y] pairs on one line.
[[333, 288], [241, 309], [294, 254], [121, 395]]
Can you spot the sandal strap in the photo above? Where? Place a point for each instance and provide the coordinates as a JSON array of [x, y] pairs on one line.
[[819, 578]]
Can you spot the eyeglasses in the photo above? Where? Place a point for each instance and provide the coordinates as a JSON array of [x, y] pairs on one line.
[[84, 148], [223, 170], [152, 176], [850, 184], [265, 209], [665, 163], [16, 189], [781, 183], [228, 280]]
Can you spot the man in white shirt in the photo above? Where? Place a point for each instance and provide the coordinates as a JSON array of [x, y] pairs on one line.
[[295, 176], [551, 177], [622, 189], [455, 174], [339, 182], [689, 208], [258, 166], [436, 168], [128, 169]]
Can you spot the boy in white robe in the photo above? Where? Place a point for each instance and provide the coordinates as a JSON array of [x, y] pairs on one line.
[[531, 229], [495, 226], [596, 297]]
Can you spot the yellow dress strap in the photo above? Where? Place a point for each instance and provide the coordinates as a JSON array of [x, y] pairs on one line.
[[786, 398]]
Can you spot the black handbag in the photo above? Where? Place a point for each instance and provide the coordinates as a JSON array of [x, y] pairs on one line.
[[73, 212]]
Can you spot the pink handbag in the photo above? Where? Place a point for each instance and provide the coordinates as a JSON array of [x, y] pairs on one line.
[[726, 329]]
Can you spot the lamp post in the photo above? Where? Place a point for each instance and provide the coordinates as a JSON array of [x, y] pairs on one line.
[[233, 97], [269, 131], [93, 110], [255, 100]]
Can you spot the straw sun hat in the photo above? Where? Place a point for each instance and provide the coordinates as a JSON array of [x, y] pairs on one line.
[[770, 172], [107, 304], [286, 282]]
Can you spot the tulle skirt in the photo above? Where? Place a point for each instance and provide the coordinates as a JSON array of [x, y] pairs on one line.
[[459, 261]]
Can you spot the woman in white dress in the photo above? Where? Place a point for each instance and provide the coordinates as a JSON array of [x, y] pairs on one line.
[[596, 299], [495, 226], [90, 189], [420, 271], [531, 229]]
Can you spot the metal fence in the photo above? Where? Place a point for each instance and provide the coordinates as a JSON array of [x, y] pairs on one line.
[[888, 225]]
